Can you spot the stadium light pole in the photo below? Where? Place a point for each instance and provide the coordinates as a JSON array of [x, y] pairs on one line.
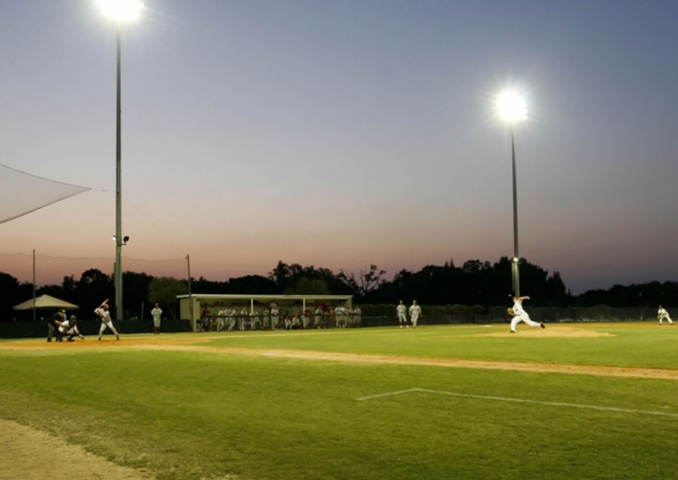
[[120, 11], [512, 108]]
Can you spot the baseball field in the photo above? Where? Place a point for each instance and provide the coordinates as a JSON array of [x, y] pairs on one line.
[[584, 401]]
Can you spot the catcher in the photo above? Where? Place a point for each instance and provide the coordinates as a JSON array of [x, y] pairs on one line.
[[70, 327]]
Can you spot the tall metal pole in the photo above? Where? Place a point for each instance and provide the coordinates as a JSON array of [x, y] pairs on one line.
[[34, 314], [515, 273], [118, 195], [190, 292]]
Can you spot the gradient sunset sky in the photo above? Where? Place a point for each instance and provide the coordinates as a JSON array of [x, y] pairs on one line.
[[345, 133]]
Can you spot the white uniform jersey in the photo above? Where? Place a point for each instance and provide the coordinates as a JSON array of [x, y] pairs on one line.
[[106, 322], [518, 307], [103, 314], [401, 310], [415, 311], [662, 315], [156, 313], [66, 326]]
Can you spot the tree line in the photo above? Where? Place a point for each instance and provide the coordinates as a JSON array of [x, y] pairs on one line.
[[475, 283]]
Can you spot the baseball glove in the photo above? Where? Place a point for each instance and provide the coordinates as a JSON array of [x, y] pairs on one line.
[[510, 311]]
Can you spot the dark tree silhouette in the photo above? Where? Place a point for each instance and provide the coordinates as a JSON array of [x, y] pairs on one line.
[[476, 282]]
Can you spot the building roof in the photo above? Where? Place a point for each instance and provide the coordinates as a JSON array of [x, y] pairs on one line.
[[230, 296]]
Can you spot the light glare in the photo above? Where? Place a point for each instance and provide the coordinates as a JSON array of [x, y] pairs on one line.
[[122, 10], [512, 107]]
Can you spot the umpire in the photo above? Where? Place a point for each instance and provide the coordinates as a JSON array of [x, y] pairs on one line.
[[53, 324]]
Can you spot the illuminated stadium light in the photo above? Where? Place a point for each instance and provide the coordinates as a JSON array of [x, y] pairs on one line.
[[121, 10], [511, 106]]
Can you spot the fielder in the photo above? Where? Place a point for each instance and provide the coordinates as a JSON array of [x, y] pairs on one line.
[[401, 313], [156, 313], [105, 317], [521, 315], [357, 316], [415, 313], [662, 315]]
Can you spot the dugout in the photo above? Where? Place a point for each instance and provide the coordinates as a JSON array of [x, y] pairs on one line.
[[192, 306]]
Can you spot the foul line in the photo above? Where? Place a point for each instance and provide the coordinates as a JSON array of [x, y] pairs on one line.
[[524, 400]]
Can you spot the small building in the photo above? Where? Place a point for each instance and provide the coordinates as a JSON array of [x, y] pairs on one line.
[[193, 306]]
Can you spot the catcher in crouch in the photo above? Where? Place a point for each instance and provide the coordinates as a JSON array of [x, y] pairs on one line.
[[70, 327], [520, 315]]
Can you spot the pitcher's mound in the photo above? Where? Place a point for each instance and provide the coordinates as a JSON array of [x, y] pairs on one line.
[[549, 332]]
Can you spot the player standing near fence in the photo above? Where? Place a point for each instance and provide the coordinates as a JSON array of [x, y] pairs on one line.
[[156, 313], [401, 312], [415, 313], [520, 315], [105, 317], [662, 315]]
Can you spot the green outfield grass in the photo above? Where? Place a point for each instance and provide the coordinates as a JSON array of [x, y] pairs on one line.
[[205, 414], [636, 345]]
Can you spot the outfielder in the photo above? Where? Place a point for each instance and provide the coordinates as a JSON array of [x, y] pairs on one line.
[[156, 313], [105, 317], [401, 312], [415, 313], [357, 316], [662, 315], [521, 315]]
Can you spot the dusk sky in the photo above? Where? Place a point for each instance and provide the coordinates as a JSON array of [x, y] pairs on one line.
[[345, 133]]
